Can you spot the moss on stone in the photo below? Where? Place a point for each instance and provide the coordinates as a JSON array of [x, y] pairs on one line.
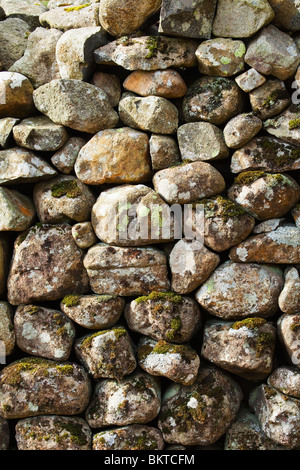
[[264, 341], [71, 300], [278, 94], [164, 296], [162, 347], [251, 323], [269, 392], [67, 188], [295, 326], [31, 309], [118, 331], [248, 177], [77, 7], [294, 123], [219, 206], [176, 325], [276, 153], [105, 298], [154, 45]]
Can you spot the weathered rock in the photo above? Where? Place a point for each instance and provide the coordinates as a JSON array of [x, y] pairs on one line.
[[286, 126], [39, 63], [236, 291], [289, 299], [26, 11], [70, 17], [126, 271], [267, 154], [191, 264], [286, 379], [132, 400], [18, 165], [241, 19], [279, 246], [76, 104], [40, 133], [110, 84], [61, 388], [13, 40], [287, 15], [95, 312], [63, 199], [273, 52], [201, 413], [53, 433], [164, 316], [148, 53], [7, 333], [179, 363], [16, 209], [84, 235], [74, 52], [289, 334], [134, 437], [59, 3], [244, 348], [269, 99], [278, 415], [250, 80], [150, 113], [114, 156], [64, 159], [121, 17], [201, 141], [6, 127], [15, 95], [107, 353], [221, 57], [165, 83], [268, 225], [133, 215], [296, 215], [212, 99], [265, 195], [4, 434], [43, 332], [240, 129], [164, 151], [47, 264]]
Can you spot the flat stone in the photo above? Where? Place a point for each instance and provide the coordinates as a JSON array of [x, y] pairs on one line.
[[4, 434], [191, 263], [47, 265], [64, 159], [164, 83], [201, 141], [224, 345], [240, 129], [285, 126], [14, 34], [17, 210], [221, 57], [279, 246], [289, 299], [287, 15], [7, 332], [126, 271], [40, 133], [84, 235], [6, 127], [179, 363], [250, 80], [53, 433], [164, 317], [75, 104], [107, 353], [164, 151], [273, 52], [15, 95], [39, 62], [268, 225], [61, 388], [237, 290], [286, 379], [133, 437], [67, 17], [148, 53], [95, 312], [43, 332], [26, 11], [131, 400], [151, 113], [114, 156], [110, 84], [288, 326], [269, 99], [188, 182]]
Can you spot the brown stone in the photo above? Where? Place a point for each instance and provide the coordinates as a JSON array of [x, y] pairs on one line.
[[164, 151], [84, 235], [286, 379], [15, 95], [240, 129], [110, 84], [269, 99], [64, 159], [288, 326], [289, 299], [221, 57], [165, 83], [133, 437]]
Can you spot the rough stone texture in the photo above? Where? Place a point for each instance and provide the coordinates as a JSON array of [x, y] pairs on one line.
[[53, 433], [133, 437], [63, 199], [39, 133], [15, 95], [107, 353], [286, 380], [39, 62], [26, 11], [67, 17], [212, 99], [13, 40], [7, 333], [18, 165], [188, 182], [62, 101], [110, 84], [236, 291], [148, 53], [6, 127], [178, 363], [114, 156], [269, 99], [95, 312], [84, 235], [4, 434], [278, 415], [287, 14], [16, 210], [289, 334], [289, 299], [273, 52], [165, 83], [164, 316], [285, 126], [191, 19], [126, 271], [250, 80], [164, 151], [241, 19], [240, 129], [132, 400], [61, 388], [221, 57], [64, 159], [268, 225], [244, 348], [191, 263], [279, 246], [202, 412], [201, 141], [39, 274], [121, 17]]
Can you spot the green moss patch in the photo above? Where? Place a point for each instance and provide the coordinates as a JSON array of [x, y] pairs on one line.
[[77, 8], [154, 45], [176, 325], [248, 177], [250, 323], [219, 206], [264, 342], [68, 188], [294, 124], [71, 300], [165, 296]]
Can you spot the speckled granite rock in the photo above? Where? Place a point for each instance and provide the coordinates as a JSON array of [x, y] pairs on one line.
[[133, 437]]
